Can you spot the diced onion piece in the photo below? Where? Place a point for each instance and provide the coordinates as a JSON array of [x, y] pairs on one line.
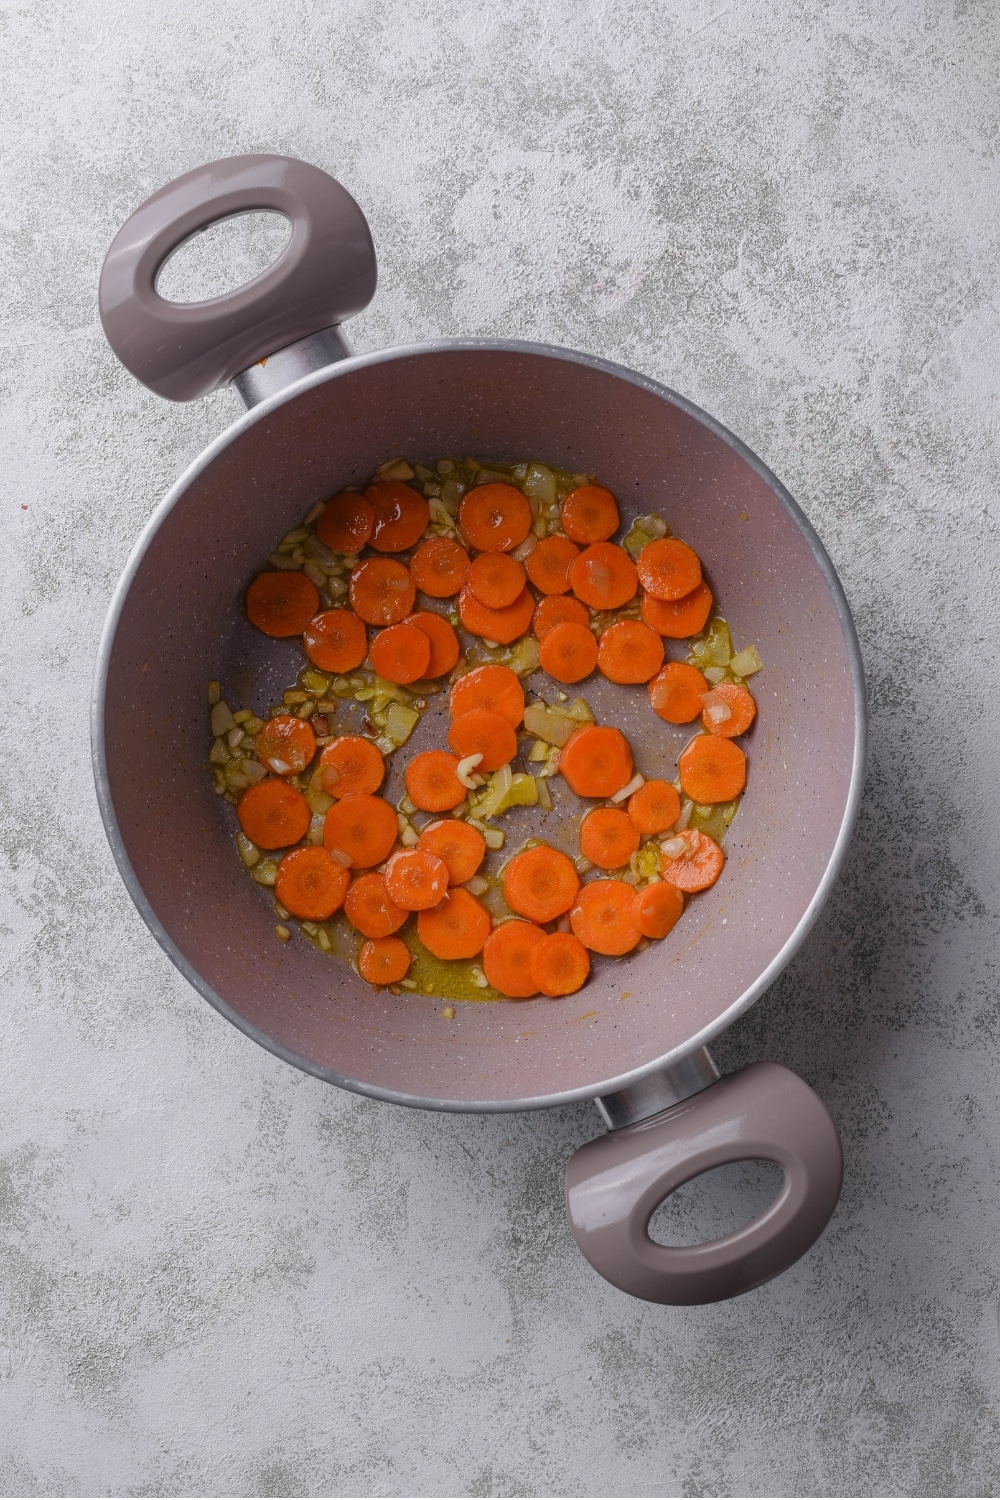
[[673, 848], [235, 737], [277, 764], [687, 808], [719, 712], [222, 718], [249, 853], [265, 873], [494, 838], [315, 830], [527, 546], [746, 662], [282, 931], [626, 791], [544, 795], [479, 978], [477, 885], [340, 858], [409, 836], [465, 768], [715, 674]]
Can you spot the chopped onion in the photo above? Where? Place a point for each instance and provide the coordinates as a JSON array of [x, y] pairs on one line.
[[528, 545], [719, 712], [281, 766], [674, 847], [465, 768], [477, 885], [409, 836], [630, 787], [340, 858]]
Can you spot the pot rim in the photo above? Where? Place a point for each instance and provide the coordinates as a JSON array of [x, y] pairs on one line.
[[466, 1106]]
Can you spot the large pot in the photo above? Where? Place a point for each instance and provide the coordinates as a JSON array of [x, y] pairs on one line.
[[321, 417]]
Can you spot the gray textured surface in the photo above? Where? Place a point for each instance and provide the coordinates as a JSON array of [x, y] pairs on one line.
[[222, 1277]]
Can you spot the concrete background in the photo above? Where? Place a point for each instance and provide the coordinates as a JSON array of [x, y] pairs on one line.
[[222, 1277]]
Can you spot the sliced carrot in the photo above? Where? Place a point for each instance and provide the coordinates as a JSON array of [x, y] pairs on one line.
[[495, 517], [669, 568], [336, 640], [461, 846], [656, 908], [729, 709], [603, 919], [712, 769], [431, 781], [507, 958], [678, 618], [456, 928], [416, 879], [604, 576], [439, 567], [489, 687], [282, 604], [384, 960], [382, 591], [360, 828], [401, 515], [629, 652], [347, 523], [286, 744], [547, 565], [560, 964], [697, 863], [369, 909], [541, 883], [596, 761], [590, 514], [401, 653], [273, 814], [486, 733], [496, 579], [310, 884], [655, 807], [501, 625], [445, 649], [558, 609], [608, 838], [351, 766], [676, 693], [568, 652]]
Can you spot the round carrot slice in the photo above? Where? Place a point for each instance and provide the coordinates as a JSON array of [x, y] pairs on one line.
[[492, 687], [416, 879], [590, 514], [691, 861], [500, 625], [560, 964], [456, 928], [568, 652], [401, 653], [347, 523], [401, 515], [384, 960], [336, 640], [608, 838], [310, 884], [712, 769], [382, 591], [596, 761], [669, 568], [273, 814], [676, 693], [629, 652], [656, 908], [507, 958], [729, 710], [547, 565], [286, 745], [678, 618], [431, 781], [445, 649], [495, 517], [461, 846], [486, 733], [655, 807], [558, 609], [603, 918], [439, 567], [541, 883], [351, 765], [369, 909], [496, 579], [604, 576], [361, 829], [282, 604]]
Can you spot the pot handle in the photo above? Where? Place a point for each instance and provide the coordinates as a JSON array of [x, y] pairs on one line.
[[325, 273], [615, 1184]]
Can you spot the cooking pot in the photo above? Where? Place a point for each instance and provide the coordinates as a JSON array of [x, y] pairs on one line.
[[319, 418]]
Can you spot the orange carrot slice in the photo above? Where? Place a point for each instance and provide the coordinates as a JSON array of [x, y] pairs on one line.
[[712, 769], [547, 565], [568, 652], [596, 761], [676, 693], [382, 591], [401, 653], [693, 861], [462, 847], [678, 618], [540, 883], [273, 814], [590, 514], [445, 649], [495, 517], [401, 515], [439, 567], [347, 522], [369, 909], [655, 807], [286, 745], [456, 928], [729, 710], [560, 964], [629, 652], [501, 625], [486, 733], [608, 838], [558, 609], [431, 781], [492, 687], [282, 604], [361, 829], [603, 918], [496, 579], [656, 908], [351, 765], [416, 879], [310, 884], [669, 568], [384, 960], [336, 640], [507, 958]]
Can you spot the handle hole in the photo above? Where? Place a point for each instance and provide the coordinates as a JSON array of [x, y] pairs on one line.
[[223, 257], [717, 1203]]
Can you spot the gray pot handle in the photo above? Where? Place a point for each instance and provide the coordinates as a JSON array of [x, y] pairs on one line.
[[615, 1184], [325, 273]]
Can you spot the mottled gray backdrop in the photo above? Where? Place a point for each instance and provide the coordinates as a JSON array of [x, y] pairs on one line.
[[222, 1277]]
